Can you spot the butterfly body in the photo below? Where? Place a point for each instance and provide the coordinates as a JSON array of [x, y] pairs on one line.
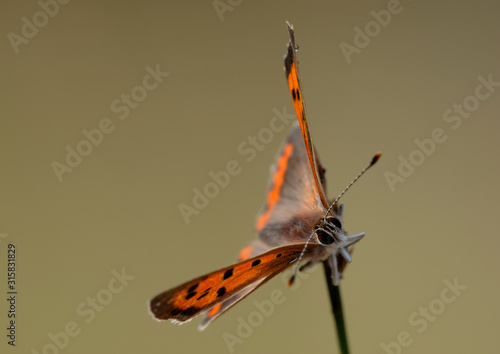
[[296, 223]]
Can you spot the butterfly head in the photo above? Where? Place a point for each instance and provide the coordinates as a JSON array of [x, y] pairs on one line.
[[330, 231], [331, 234]]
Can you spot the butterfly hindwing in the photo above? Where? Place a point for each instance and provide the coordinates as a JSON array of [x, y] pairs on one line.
[[293, 202]]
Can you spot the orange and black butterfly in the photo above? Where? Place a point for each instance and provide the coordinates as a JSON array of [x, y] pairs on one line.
[[296, 223]]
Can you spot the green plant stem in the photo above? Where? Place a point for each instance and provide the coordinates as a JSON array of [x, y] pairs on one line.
[[337, 310]]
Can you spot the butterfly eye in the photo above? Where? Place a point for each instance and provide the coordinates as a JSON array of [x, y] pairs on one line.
[[336, 222], [324, 238]]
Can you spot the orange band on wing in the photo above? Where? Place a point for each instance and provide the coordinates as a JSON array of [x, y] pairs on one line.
[[245, 253], [213, 311], [278, 179]]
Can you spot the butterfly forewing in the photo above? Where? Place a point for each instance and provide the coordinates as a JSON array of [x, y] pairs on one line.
[[186, 301], [292, 74]]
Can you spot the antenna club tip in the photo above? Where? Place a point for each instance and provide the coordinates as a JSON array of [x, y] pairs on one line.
[[291, 280], [375, 158]]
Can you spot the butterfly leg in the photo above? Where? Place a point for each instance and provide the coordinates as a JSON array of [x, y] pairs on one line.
[[308, 265], [343, 251]]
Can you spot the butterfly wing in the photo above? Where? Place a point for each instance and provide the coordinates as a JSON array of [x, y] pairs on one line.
[[186, 301], [292, 75], [293, 203]]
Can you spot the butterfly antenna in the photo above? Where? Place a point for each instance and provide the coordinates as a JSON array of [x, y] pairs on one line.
[[372, 162], [292, 278]]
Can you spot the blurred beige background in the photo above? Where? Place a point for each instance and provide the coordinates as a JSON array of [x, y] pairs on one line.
[[118, 210]]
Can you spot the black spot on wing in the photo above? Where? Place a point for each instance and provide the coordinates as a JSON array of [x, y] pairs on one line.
[[221, 291], [190, 295], [205, 293], [228, 274], [193, 288], [256, 262], [202, 296]]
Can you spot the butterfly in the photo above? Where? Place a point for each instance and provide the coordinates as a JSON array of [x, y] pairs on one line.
[[297, 223]]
